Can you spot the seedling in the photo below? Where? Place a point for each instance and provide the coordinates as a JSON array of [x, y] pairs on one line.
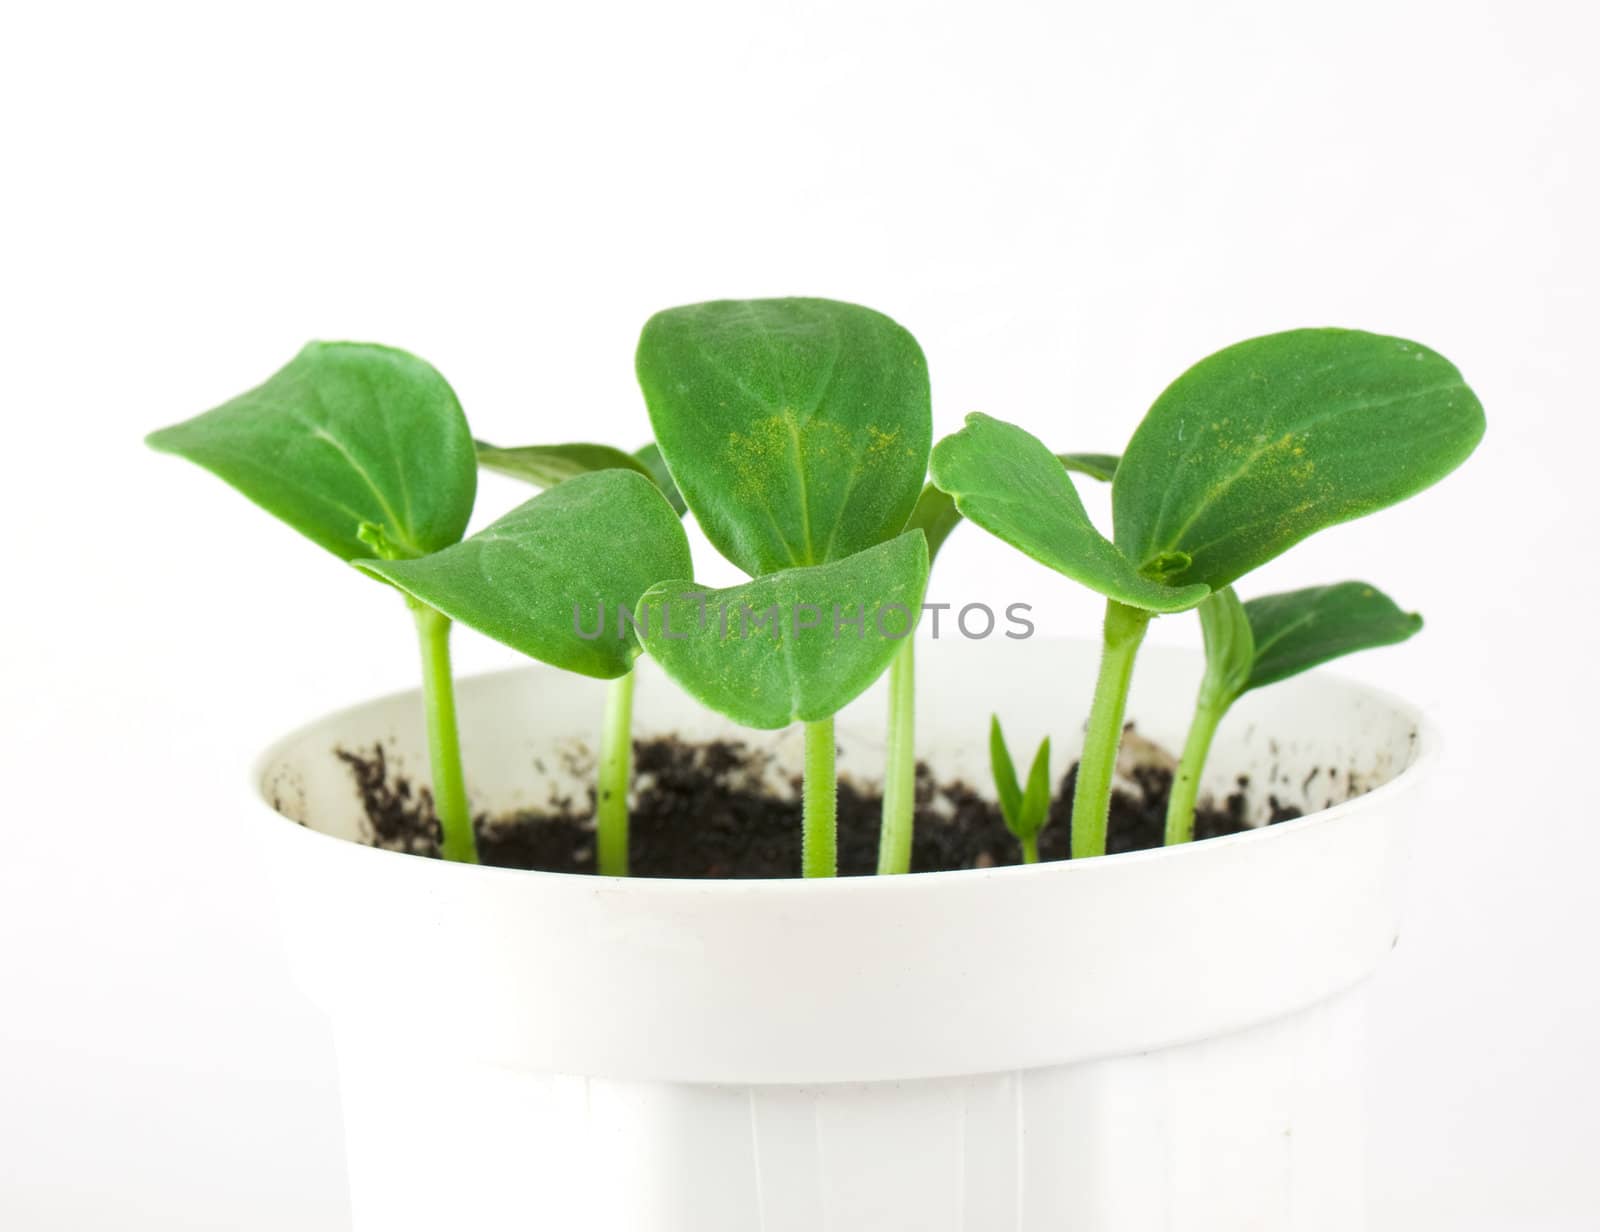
[[1244, 455], [544, 466], [936, 516], [365, 451], [557, 578], [1024, 811], [1251, 645], [798, 432]]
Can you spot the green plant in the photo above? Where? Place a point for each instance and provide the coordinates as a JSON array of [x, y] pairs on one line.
[[545, 466], [364, 450], [798, 432], [1244, 455], [936, 516], [557, 578], [1025, 810], [1254, 644]]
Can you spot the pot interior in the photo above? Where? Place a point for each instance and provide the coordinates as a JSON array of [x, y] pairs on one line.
[[529, 734]]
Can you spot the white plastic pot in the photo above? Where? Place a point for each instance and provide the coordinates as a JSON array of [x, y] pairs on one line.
[[1160, 1040]]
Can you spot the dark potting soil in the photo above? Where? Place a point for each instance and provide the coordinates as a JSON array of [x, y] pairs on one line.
[[709, 810]]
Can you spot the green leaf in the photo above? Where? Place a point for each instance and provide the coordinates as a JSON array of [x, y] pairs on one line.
[[1036, 801], [1299, 629], [345, 434], [1010, 484], [548, 465], [781, 647], [1101, 466], [1269, 441], [1023, 812], [935, 516], [1006, 786], [796, 429], [656, 465], [1230, 647], [558, 577]]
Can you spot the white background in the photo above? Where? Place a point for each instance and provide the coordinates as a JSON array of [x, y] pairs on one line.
[[1066, 203]]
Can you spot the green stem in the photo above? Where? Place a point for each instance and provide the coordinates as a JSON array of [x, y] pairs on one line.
[[444, 743], [1091, 803], [1186, 779], [1230, 655], [1030, 849], [819, 855], [900, 765], [616, 766]]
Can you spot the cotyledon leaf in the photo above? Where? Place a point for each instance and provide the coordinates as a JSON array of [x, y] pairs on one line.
[[1036, 798], [559, 576], [650, 456], [1229, 644], [346, 434], [798, 644], [1271, 440], [548, 465], [1009, 483], [1299, 629], [1101, 466], [936, 514], [1004, 772], [797, 430]]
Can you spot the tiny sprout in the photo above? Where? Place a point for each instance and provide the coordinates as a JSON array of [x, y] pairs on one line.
[[1025, 811]]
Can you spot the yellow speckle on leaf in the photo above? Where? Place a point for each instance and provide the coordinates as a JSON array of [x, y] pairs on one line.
[[754, 454], [782, 445]]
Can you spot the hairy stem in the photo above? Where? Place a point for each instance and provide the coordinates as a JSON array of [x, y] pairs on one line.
[[616, 766], [1091, 803], [457, 841], [900, 765], [1186, 779], [819, 856], [1230, 655]]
